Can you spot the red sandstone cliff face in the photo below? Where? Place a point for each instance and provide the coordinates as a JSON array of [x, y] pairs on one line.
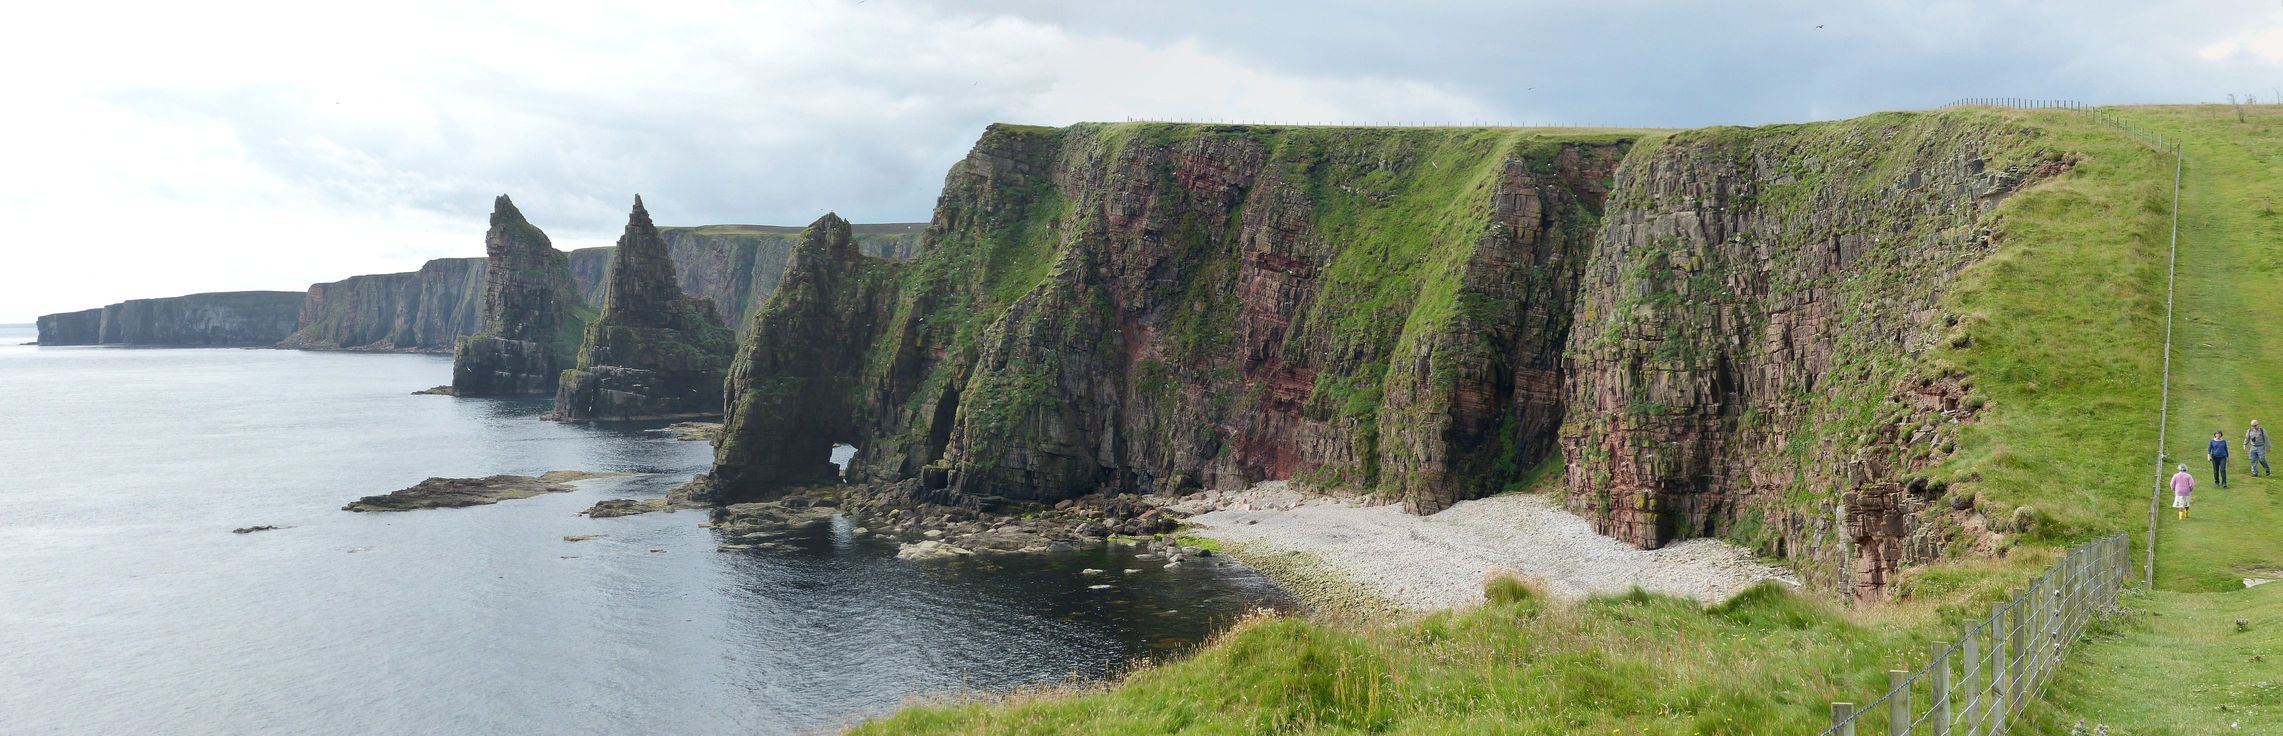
[[1745, 353], [1161, 308]]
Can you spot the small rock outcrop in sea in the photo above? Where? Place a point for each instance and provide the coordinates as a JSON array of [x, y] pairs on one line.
[[532, 316], [655, 353], [617, 507], [444, 493], [695, 431], [258, 528]]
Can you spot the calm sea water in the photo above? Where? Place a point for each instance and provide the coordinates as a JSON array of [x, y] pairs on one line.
[[127, 606]]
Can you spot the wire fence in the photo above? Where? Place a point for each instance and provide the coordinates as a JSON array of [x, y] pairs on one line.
[[1979, 684]]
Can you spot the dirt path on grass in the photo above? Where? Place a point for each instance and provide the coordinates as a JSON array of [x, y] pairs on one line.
[[1438, 561]]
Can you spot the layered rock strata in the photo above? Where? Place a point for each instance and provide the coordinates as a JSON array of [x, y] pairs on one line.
[[655, 353], [220, 319], [1745, 362], [422, 311], [533, 319], [1160, 308]]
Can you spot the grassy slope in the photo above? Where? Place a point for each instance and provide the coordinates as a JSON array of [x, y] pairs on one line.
[[2181, 667], [2062, 322], [2065, 324], [1635, 664]]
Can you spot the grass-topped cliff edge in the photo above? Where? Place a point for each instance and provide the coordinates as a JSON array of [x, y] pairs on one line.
[[2063, 334]]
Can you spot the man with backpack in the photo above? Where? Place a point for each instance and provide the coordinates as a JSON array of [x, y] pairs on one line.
[[2255, 443]]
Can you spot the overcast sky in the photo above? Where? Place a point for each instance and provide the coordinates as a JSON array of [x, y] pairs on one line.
[[168, 148]]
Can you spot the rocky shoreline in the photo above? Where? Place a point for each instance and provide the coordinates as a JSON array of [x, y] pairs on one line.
[[926, 530], [445, 493]]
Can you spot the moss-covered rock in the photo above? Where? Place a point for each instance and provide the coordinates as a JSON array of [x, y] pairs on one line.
[[654, 353], [1747, 358], [1147, 307], [532, 316], [793, 391]]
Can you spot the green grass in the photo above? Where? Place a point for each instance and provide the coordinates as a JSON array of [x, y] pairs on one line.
[[1634, 664], [2177, 665], [2064, 330], [2180, 667]]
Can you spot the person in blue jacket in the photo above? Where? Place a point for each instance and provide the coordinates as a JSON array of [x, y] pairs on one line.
[[2218, 452]]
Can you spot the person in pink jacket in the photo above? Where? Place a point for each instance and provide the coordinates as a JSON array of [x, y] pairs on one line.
[[2183, 486]]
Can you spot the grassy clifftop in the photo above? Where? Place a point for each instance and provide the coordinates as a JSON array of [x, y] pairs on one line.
[[2203, 654], [2059, 331]]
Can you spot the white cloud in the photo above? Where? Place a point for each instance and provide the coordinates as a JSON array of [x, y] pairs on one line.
[[266, 145], [1113, 79], [2263, 44], [163, 148]]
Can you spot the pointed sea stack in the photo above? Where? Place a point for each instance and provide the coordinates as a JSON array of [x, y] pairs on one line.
[[655, 353], [532, 316]]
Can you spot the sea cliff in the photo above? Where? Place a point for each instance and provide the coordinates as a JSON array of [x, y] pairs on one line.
[[1162, 308], [220, 319], [421, 311], [1717, 332]]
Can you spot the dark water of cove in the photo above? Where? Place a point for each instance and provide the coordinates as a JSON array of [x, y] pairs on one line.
[[128, 607]]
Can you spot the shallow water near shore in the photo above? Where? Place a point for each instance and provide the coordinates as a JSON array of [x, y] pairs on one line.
[[128, 606]]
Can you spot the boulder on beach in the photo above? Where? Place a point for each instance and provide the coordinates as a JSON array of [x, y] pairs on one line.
[[930, 550]]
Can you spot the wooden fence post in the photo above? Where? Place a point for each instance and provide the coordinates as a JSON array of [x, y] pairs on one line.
[[2019, 653], [1969, 686], [2001, 691], [1898, 703], [1843, 718], [1938, 689]]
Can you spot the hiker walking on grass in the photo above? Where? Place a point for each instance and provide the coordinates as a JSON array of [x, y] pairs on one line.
[[2183, 485], [2255, 442], [2218, 452]]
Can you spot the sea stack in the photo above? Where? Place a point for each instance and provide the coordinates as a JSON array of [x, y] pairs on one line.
[[655, 353], [532, 315], [801, 358]]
